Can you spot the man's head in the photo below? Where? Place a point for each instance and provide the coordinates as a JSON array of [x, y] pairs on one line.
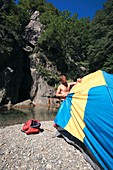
[[63, 79]]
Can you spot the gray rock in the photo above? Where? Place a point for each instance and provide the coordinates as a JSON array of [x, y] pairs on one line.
[[43, 92], [2, 94], [33, 29], [24, 103]]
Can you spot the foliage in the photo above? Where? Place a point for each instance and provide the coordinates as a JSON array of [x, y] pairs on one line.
[[9, 31], [65, 40], [100, 50], [75, 46]]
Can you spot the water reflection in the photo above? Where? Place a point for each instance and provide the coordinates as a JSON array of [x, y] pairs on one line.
[[18, 116]]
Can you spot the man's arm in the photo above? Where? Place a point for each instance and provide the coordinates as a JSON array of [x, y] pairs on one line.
[[79, 80], [71, 84], [58, 94]]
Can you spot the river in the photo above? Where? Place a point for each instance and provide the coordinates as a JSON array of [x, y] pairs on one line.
[[19, 116]]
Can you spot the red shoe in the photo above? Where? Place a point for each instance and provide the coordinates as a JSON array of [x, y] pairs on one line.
[[26, 125], [32, 131], [55, 125]]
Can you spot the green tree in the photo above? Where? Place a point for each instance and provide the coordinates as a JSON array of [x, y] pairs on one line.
[[100, 50], [65, 41], [9, 30]]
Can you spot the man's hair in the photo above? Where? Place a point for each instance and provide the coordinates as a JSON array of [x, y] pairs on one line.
[[61, 77]]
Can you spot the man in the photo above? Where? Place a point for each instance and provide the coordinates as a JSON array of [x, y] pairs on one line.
[[65, 87]]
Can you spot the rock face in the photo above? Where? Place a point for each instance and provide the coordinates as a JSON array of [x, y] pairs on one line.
[[27, 75], [2, 94], [33, 31], [41, 92], [41, 88], [15, 80]]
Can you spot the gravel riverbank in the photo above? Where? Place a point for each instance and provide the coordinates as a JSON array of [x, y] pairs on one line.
[[42, 151]]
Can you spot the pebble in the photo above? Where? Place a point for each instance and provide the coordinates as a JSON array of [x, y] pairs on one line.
[[38, 152]]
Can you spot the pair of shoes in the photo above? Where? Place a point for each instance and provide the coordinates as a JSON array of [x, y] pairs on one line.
[[31, 127]]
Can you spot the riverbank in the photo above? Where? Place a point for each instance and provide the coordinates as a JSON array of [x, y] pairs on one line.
[[41, 151]]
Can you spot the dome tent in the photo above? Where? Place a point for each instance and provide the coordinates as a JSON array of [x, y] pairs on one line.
[[87, 115]]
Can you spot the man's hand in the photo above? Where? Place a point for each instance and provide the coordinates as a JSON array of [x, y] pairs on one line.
[[79, 80]]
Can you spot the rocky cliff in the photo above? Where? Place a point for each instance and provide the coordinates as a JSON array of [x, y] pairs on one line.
[[32, 32], [29, 74], [15, 79], [41, 68]]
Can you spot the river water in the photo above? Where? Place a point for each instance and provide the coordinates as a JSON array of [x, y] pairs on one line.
[[18, 116]]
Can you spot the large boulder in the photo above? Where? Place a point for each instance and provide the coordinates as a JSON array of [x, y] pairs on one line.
[[24, 104], [41, 92], [33, 31]]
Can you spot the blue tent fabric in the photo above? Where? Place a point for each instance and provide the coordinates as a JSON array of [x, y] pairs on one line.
[[65, 108], [87, 114]]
